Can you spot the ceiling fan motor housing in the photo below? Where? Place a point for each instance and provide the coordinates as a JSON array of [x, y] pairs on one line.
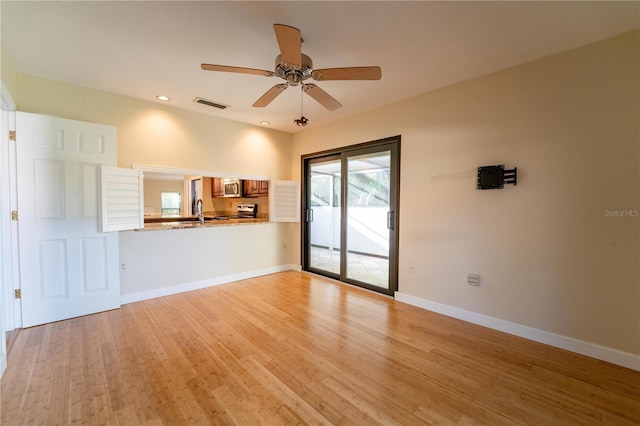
[[292, 73]]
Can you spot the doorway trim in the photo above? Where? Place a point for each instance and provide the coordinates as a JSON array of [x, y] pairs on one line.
[[394, 143], [8, 227]]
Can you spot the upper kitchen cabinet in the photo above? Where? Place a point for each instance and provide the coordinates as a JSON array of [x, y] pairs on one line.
[[255, 188], [217, 187], [264, 187]]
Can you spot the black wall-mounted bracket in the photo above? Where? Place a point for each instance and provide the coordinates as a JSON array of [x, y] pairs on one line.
[[495, 177], [511, 176]]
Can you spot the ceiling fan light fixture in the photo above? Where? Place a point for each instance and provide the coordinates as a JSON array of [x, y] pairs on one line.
[[294, 78]]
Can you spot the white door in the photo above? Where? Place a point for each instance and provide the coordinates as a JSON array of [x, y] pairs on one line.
[[68, 268]]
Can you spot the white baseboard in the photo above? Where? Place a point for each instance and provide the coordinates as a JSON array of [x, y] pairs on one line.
[[614, 356], [196, 285]]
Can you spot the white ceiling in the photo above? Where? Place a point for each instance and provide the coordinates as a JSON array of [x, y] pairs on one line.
[[143, 49]]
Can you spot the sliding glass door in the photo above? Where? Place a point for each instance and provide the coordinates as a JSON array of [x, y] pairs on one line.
[[350, 208], [367, 219], [323, 215]]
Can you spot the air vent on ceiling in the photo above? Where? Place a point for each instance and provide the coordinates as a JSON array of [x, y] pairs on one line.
[[210, 103]]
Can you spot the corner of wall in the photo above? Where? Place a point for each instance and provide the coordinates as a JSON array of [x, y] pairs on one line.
[[8, 77]]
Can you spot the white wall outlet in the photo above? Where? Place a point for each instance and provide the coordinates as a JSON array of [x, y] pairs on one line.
[[412, 267], [473, 279], [123, 267]]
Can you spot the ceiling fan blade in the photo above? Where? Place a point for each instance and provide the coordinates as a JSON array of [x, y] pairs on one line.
[[290, 42], [270, 95], [325, 99], [349, 73], [226, 68]]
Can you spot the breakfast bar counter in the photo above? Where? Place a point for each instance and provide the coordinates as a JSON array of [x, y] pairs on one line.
[[209, 222]]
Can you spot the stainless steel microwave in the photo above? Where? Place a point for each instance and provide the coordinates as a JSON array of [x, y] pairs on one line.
[[232, 187]]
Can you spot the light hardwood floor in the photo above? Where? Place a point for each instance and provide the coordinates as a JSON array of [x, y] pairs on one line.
[[291, 348]]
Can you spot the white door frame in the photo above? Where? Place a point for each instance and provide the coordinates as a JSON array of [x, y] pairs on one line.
[[190, 199], [8, 228]]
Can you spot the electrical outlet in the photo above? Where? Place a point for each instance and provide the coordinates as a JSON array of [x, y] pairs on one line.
[[412, 268], [473, 279], [123, 266]]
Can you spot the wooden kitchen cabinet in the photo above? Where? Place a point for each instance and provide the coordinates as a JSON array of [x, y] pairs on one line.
[[217, 187], [255, 188]]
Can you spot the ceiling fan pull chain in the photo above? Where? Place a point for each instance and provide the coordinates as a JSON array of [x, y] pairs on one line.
[[302, 121]]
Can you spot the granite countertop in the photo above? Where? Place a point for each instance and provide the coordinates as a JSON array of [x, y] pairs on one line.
[[161, 223]]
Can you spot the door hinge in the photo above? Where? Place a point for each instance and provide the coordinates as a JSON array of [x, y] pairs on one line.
[[17, 294], [14, 215], [12, 135]]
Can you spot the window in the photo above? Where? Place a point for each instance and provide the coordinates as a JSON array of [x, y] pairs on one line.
[[170, 202]]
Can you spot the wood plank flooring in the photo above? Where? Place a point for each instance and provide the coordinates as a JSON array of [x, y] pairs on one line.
[[291, 348]]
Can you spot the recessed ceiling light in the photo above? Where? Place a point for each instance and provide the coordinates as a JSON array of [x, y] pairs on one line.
[[265, 123], [163, 98]]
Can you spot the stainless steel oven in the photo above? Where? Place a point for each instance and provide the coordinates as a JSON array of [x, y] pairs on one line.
[[244, 211]]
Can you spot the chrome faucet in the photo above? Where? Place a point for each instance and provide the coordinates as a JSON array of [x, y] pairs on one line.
[[200, 211]]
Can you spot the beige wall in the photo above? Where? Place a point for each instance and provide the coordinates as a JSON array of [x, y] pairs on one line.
[[7, 73], [156, 134], [548, 254]]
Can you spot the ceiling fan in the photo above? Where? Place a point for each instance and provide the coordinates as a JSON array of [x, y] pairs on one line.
[[294, 67]]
